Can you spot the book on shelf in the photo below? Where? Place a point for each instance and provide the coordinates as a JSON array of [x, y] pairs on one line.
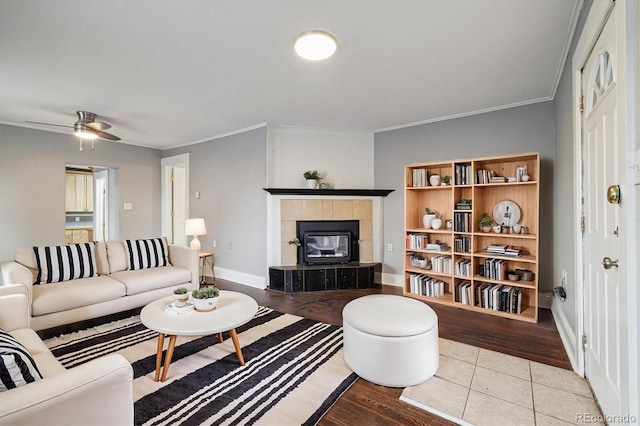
[[505, 250], [417, 241], [463, 174], [463, 292], [419, 178], [179, 310], [425, 285], [498, 297], [438, 246], [462, 244]]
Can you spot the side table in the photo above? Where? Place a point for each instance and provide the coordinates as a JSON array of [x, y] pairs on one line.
[[207, 259]]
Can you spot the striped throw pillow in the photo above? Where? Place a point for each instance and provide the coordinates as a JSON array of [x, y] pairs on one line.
[[17, 367], [142, 254], [63, 263]]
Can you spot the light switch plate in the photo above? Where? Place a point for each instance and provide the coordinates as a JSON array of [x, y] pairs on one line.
[[128, 206]]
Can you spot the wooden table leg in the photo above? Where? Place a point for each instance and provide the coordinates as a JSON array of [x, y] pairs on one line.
[[236, 343], [159, 356], [220, 339], [167, 360]]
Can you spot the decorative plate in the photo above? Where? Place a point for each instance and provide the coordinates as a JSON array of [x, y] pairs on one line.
[[506, 212]]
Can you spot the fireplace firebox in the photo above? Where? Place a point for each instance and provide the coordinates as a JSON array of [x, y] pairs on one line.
[[327, 241]]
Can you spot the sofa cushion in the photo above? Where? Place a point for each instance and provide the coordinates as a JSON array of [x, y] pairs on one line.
[[143, 280], [17, 367], [46, 362], [116, 256], [142, 254], [72, 294], [63, 263]]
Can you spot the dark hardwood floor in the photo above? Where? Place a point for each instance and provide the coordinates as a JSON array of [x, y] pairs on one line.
[[370, 404]]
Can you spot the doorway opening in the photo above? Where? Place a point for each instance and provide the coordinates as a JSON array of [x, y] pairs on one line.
[[175, 206], [90, 203]]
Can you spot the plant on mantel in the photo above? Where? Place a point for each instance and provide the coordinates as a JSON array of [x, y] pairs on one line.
[[312, 175]]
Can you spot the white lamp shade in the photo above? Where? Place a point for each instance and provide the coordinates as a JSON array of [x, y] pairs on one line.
[[195, 226]]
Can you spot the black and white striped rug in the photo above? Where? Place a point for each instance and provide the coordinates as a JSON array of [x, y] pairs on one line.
[[294, 371]]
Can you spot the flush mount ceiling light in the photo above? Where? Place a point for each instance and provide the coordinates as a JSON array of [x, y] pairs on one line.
[[315, 45]]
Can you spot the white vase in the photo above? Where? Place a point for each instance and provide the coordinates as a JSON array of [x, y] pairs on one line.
[[205, 305], [436, 223], [180, 299], [434, 180], [426, 220], [312, 183]]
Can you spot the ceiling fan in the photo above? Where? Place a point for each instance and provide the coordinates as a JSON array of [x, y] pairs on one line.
[[87, 127]]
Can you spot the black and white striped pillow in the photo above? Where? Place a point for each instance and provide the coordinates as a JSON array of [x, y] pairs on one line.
[[150, 253], [17, 367], [63, 263]]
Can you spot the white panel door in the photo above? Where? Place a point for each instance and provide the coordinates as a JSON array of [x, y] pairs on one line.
[[605, 319]]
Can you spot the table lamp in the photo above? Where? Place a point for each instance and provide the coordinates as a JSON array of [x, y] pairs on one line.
[[195, 227]]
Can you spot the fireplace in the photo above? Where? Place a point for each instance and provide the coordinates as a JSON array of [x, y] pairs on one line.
[[327, 241]]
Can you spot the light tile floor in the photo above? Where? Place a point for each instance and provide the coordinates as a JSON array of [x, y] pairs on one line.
[[482, 387]]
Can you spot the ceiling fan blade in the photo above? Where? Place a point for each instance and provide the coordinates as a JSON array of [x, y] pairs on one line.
[[48, 124], [98, 125], [108, 136]]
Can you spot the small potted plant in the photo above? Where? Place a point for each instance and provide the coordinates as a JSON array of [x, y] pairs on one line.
[[205, 299], [446, 179], [486, 222], [429, 215], [312, 177], [464, 204], [180, 295]]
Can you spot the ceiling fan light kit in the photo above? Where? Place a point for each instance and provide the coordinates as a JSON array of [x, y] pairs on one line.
[[87, 128], [315, 45]]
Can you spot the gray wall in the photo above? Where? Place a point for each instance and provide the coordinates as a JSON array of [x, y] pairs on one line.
[[564, 216], [32, 186], [230, 173], [511, 131]]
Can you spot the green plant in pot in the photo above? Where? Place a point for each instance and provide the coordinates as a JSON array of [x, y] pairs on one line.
[[486, 222], [180, 295], [205, 299], [446, 179], [312, 177]]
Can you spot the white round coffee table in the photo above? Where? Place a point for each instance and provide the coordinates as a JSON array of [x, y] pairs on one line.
[[232, 310]]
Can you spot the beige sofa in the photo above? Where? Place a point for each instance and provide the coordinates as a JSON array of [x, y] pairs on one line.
[[97, 392], [115, 289]]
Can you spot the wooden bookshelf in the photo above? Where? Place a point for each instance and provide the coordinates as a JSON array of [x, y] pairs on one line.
[[463, 265]]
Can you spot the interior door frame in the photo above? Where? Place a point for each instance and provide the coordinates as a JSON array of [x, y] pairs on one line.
[[166, 198], [594, 24]]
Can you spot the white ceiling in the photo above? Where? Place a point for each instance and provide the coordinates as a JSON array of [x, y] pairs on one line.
[[170, 73]]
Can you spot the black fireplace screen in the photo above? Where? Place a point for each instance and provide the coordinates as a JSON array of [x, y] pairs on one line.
[[326, 247], [328, 241]]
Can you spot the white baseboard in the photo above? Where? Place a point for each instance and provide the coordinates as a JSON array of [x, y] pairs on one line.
[[568, 337], [241, 278], [392, 279]]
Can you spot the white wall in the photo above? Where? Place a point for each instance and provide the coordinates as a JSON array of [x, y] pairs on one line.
[[343, 158]]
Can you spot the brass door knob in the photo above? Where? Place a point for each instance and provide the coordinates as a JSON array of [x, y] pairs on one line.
[[613, 194], [607, 263]]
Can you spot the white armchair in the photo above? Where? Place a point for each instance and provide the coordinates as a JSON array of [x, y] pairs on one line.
[[99, 392]]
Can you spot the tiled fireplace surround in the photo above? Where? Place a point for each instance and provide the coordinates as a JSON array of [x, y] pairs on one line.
[[286, 210], [306, 209]]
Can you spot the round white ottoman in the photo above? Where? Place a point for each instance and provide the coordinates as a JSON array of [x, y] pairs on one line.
[[390, 340]]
